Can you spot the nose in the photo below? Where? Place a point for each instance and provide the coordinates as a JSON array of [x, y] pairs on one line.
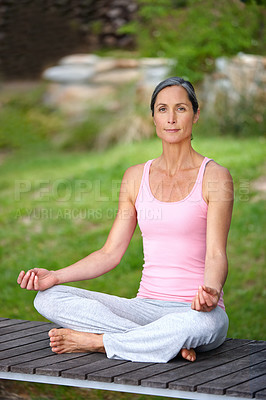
[[171, 117]]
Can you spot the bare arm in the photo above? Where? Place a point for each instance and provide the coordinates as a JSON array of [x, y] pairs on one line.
[[102, 260], [219, 194]]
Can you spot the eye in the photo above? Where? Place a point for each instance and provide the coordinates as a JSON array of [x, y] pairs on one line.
[[181, 109], [162, 109]]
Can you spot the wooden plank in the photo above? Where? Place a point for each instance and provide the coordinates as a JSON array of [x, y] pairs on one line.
[[56, 369], [28, 348], [108, 374], [208, 379], [23, 341], [20, 327], [205, 361], [149, 372], [220, 384], [29, 366], [156, 368], [228, 345], [27, 332], [81, 372], [261, 394], [8, 362], [9, 322], [24, 348], [249, 388], [135, 377]]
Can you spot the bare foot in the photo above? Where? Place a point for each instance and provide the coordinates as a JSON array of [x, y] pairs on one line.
[[70, 341], [189, 355]]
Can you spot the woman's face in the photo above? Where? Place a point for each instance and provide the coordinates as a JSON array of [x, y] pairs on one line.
[[173, 114]]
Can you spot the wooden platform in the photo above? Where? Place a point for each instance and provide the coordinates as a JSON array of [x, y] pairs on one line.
[[236, 369]]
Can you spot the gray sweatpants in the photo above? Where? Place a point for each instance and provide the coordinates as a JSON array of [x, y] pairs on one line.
[[134, 329]]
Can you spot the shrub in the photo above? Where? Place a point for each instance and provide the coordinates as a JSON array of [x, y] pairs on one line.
[[194, 32]]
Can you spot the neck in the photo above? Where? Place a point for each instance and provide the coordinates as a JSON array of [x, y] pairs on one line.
[[177, 156]]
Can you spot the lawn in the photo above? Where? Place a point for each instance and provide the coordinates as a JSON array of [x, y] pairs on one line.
[[58, 206]]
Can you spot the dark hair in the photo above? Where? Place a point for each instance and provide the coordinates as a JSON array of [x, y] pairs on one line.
[[176, 81]]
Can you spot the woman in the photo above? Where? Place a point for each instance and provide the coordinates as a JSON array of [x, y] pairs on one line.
[[183, 204]]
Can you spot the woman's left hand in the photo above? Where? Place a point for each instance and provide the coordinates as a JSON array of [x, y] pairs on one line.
[[206, 299]]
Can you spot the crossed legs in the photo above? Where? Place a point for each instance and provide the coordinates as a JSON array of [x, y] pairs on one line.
[[71, 341], [132, 329]]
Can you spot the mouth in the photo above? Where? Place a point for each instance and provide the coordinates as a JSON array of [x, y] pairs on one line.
[[172, 130]]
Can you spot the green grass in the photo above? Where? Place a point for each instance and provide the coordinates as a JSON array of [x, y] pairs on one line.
[[57, 207]]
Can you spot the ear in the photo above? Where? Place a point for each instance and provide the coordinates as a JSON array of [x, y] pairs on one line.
[[154, 121], [196, 116]]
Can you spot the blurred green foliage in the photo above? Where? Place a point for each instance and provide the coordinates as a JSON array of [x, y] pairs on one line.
[[195, 32], [26, 123], [243, 119]]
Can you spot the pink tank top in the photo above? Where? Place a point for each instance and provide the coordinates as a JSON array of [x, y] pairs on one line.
[[174, 242]]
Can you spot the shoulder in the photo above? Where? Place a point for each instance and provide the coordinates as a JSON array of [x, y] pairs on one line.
[[134, 172], [217, 171], [131, 181], [217, 182]]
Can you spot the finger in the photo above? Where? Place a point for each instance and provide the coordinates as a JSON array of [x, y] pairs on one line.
[[193, 304], [36, 283], [208, 300], [201, 297], [25, 279], [20, 277], [197, 303], [30, 281]]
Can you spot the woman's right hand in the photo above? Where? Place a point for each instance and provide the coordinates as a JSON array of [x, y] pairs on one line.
[[37, 279]]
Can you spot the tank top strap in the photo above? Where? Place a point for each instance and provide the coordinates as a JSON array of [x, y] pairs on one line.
[[197, 192], [144, 184], [202, 169]]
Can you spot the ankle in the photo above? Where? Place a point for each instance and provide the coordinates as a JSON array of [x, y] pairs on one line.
[[98, 343]]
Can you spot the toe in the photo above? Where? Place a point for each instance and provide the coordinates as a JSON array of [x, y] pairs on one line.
[[55, 334], [56, 349], [54, 344], [52, 332], [56, 339], [189, 355]]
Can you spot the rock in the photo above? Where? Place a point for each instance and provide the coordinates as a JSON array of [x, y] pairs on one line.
[[154, 70], [235, 79], [83, 81], [127, 63], [117, 76], [109, 63], [69, 73], [105, 64], [76, 100], [80, 59], [64, 25], [155, 62]]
